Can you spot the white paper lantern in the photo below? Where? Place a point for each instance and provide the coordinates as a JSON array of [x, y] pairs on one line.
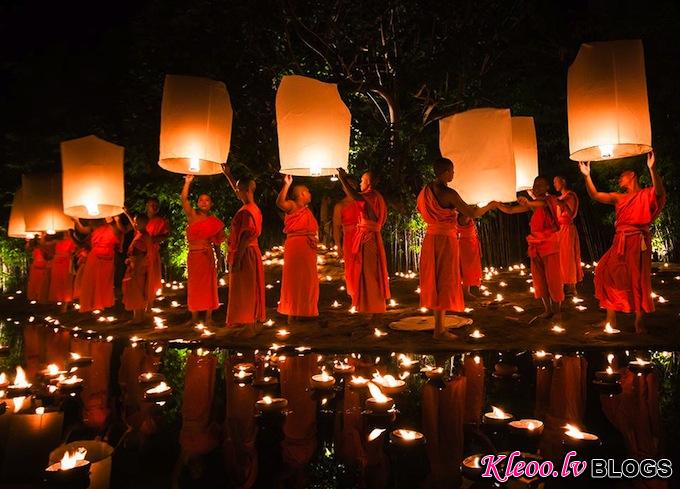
[[16, 227], [313, 127], [525, 150], [42, 204]]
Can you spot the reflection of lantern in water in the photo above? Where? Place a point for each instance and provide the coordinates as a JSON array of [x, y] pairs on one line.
[[196, 118], [479, 142], [525, 151], [313, 127], [17, 226], [42, 204], [92, 178], [607, 102]]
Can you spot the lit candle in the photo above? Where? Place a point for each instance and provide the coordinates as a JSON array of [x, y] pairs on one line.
[[78, 361], [575, 438], [608, 375], [271, 405], [70, 384], [378, 402], [526, 427], [407, 362], [322, 381], [640, 366], [432, 372], [343, 368], [542, 358], [159, 393], [358, 382], [21, 387], [476, 334], [497, 417], [406, 438], [150, 378], [388, 384], [71, 471]]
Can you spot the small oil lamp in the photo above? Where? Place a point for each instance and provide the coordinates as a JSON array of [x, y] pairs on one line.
[[148, 379], [609, 330], [471, 467], [4, 350], [504, 369], [4, 382], [52, 371], [323, 381], [71, 384], [407, 363], [477, 335], [265, 382], [72, 471], [342, 368], [21, 387], [432, 372], [242, 376], [526, 427], [608, 375], [160, 393], [497, 417], [358, 382], [378, 402], [407, 438], [638, 366], [542, 358], [271, 405], [388, 384], [577, 439], [78, 361]]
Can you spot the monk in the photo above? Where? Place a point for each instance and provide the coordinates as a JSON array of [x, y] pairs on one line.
[[470, 255], [96, 287], [61, 276], [300, 281], [345, 220], [203, 233], [81, 259], [246, 304], [570, 249], [440, 280], [158, 229], [135, 281], [39, 272], [623, 279], [544, 247]]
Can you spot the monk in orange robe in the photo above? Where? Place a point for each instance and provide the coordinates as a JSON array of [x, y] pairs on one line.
[[158, 229], [61, 276], [623, 280], [544, 247], [81, 259], [440, 280], [300, 281], [246, 304], [39, 272], [135, 281], [368, 271], [470, 255], [203, 232], [570, 249], [96, 289], [345, 220]]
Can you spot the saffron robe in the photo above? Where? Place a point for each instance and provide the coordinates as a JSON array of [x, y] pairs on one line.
[[201, 266], [349, 218], [470, 254], [246, 302], [135, 281], [61, 276], [544, 251], [199, 434], [300, 281], [39, 275], [157, 226], [440, 284], [95, 393], [81, 259], [96, 289], [368, 272], [623, 280], [570, 249]]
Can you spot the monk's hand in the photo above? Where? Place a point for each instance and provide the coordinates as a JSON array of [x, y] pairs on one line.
[[341, 171], [651, 160], [584, 166], [188, 178], [287, 179], [522, 201]]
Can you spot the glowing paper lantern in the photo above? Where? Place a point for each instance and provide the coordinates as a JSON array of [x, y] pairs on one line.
[[17, 227], [479, 142], [42, 204], [313, 126], [92, 178], [607, 102], [525, 150], [196, 119]]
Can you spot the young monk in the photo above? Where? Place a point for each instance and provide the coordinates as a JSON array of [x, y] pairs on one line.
[[246, 304], [81, 259], [440, 281], [368, 271], [345, 220], [570, 249], [300, 281], [135, 281], [61, 277], [158, 229], [39, 272], [623, 279], [96, 287], [544, 247], [470, 255], [203, 232]]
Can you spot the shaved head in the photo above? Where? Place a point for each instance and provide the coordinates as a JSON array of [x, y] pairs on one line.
[[441, 166], [246, 184]]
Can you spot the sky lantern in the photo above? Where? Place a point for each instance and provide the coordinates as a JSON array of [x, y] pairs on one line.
[[42, 204], [196, 119], [525, 150], [313, 126], [479, 142], [607, 102], [92, 178], [17, 227]]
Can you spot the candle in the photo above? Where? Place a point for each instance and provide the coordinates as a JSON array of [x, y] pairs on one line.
[[378, 402], [542, 358], [608, 375], [243, 376], [4, 382], [322, 381], [71, 471], [271, 405], [70, 384], [432, 372], [343, 368], [21, 387], [575, 438], [471, 468], [150, 378], [476, 334], [527, 427], [388, 384], [640, 366], [78, 361], [52, 371], [159, 393], [497, 417], [407, 362], [265, 382], [358, 382], [406, 438]]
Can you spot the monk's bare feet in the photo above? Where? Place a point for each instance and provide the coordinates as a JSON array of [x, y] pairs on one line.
[[444, 336]]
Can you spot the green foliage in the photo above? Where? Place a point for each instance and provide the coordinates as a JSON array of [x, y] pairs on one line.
[[12, 262]]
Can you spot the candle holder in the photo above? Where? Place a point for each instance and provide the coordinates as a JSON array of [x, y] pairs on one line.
[[504, 370], [245, 366], [4, 351], [575, 439], [408, 363], [525, 434], [243, 377], [542, 358], [432, 372], [343, 369], [78, 361], [407, 438], [389, 385], [265, 382], [322, 381], [379, 406], [608, 375], [269, 405], [640, 366], [70, 385], [77, 477], [608, 388], [471, 467], [20, 390], [497, 418], [148, 379], [162, 392], [358, 383]]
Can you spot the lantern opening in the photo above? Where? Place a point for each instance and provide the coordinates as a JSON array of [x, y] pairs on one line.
[[606, 150], [92, 208]]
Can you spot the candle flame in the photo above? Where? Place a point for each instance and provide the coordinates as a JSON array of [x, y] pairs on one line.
[[375, 433], [92, 208], [194, 165], [574, 432], [497, 413], [407, 434], [606, 150], [18, 403], [20, 378], [376, 393], [162, 387], [610, 370], [531, 426], [267, 399], [69, 460]]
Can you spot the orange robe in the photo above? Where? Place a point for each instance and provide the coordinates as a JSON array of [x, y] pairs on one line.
[[440, 287], [95, 394], [349, 216], [623, 280], [198, 435], [299, 427], [368, 272], [135, 281], [474, 389], [544, 251], [470, 254], [246, 285], [201, 267], [300, 281], [96, 289], [570, 249], [39, 276], [81, 259], [157, 226], [61, 277]]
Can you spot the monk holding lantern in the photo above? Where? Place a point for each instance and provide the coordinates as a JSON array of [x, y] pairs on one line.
[[570, 248], [158, 228]]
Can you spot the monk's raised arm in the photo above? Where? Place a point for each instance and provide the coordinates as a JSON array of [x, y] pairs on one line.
[[186, 205], [464, 208], [531, 204], [657, 183], [512, 209], [79, 226], [351, 192], [601, 197], [282, 201]]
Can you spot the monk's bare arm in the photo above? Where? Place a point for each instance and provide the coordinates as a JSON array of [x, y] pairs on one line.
[[186, 205], [601, 197], [230, 178], [337, 226], [531, 204], [79, 226], [454, 200], [514, 209], [657, 183], [282, 201], [569, 205], [351, 192]]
